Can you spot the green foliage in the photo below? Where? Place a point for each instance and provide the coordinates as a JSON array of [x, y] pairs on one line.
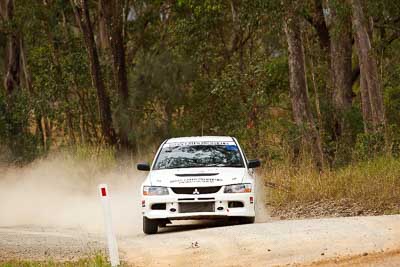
[[194, 67], [369, 145], [160, 86], [14, 117], [392, 88]]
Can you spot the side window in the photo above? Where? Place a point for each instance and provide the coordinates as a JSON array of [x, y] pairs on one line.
[[240, 148], [157, 154]]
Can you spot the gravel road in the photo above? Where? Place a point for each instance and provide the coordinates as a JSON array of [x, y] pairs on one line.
[[45, 218], [294, 242]]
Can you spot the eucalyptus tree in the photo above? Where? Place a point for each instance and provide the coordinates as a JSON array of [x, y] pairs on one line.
[[370, 85], [114, 15], [301, 106], [13, 52], [82, 15]]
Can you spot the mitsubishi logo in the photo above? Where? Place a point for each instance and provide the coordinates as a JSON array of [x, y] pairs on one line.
[[196, 192]]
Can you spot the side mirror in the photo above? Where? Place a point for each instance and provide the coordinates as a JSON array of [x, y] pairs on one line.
[[254, 163], [143, 167]]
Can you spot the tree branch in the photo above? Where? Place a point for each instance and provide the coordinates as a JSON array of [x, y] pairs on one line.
[[317, 20]]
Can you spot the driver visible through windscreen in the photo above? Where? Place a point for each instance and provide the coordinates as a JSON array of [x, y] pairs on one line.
[[173, 156]]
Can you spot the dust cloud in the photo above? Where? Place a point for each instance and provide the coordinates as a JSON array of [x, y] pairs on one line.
[[60, 192]]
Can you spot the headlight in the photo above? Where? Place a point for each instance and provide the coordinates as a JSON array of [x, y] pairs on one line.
[[154, 190], [238, 188]]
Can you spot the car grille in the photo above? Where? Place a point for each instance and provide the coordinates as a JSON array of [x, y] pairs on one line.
[[200, 190], [196, 207]]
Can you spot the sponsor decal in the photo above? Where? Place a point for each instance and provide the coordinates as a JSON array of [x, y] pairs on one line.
[[201, 143], [196, 180]]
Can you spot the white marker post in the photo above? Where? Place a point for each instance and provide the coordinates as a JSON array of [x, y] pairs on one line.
[[111, 240]]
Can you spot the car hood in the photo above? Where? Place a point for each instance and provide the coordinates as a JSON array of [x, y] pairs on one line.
[[197, 177]]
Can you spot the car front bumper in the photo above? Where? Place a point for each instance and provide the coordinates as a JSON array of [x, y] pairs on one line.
[[223, 205]]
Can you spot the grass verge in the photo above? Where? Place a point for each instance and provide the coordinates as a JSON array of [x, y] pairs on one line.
[[95, 261], [372, 185]]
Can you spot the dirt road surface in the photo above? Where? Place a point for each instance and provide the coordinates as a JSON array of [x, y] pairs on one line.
[[48, 211], [366, 241]]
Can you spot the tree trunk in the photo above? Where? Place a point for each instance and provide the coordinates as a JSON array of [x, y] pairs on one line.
[[13, 53], [341, 69], [81, 12], [25, 68], [365, 104], [298, 88], [113, 14], [368, 66], [104, 41]]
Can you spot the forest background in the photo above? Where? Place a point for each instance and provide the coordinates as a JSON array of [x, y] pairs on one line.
[[311, 87]]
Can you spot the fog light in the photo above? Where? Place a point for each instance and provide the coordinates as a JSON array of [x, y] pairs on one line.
[[159, 206], [235, 204]]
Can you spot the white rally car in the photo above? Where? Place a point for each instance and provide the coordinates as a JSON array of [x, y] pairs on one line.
[[204, 177]]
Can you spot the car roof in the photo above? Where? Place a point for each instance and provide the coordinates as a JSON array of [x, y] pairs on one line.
[[200, 139]]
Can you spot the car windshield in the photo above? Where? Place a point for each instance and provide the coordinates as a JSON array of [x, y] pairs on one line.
[[173, 156]]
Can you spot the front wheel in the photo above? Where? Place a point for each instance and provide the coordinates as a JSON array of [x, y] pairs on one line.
[[150, 226], [247, 220]]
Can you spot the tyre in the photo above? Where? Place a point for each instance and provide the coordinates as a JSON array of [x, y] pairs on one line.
[[150, 226], [247, 220]]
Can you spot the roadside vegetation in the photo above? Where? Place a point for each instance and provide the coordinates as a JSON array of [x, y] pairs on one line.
[[312, 87], [95, 261], [369, 187]]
